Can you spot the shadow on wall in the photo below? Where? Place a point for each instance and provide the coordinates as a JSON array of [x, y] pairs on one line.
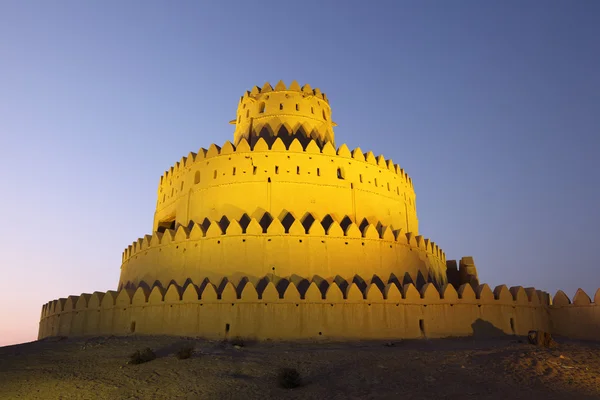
[[485, 329]]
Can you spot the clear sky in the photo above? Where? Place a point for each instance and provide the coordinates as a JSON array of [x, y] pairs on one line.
[[492, 107]]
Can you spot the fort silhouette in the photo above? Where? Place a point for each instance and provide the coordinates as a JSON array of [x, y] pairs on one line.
[[279, 235]]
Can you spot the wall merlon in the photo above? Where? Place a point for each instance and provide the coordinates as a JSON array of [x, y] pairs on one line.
[[502, 294], [358, 155], [560, 299], [466, 292], [581, 298], [484, 293], [449, 293], [343, 151], [370, 158]]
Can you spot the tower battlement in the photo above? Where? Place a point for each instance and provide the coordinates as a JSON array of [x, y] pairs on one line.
[[284, 112]]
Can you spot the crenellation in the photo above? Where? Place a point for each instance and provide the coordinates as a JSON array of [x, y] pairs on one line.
[[449, 293], [466, 293], [484, 293], [581, 298]]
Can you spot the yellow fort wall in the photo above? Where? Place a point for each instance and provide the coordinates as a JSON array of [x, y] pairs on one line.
[[240, 180], [340, 310]]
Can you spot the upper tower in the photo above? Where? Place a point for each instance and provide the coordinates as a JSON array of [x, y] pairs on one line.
[[289, 113]]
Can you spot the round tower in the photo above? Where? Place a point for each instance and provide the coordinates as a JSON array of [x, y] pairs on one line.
[[287, 113]]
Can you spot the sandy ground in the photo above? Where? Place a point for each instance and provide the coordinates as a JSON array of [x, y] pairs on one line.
[[97, 368]]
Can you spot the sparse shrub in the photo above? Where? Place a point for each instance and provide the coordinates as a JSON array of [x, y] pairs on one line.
[[142, 356], [185, 352], [289, 378]]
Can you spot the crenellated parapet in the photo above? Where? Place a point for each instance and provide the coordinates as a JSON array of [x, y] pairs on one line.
[[363, 186], [365, 308], [281, 245]]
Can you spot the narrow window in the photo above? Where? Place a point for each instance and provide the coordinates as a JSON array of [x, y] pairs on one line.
[[422, 327], [181, 188], [244, 106], [297, 108], [227, 327], [312, 110], [324, 115], [360, 177], [276, 169], [388, 185], [132, 327], [239, 119], [376, 182], [281, 106], [247, 113], [298, 170], [512, 325], [318, 172], [215, 174], [233, 170], [340, 173], [197, 178], [254, 170], [261, 108], [172, 192], [164, 197]]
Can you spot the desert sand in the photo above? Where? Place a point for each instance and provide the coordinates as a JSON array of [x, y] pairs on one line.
[[465, 368]]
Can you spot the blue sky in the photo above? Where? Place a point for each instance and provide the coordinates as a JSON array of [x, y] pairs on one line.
[[493, 109]]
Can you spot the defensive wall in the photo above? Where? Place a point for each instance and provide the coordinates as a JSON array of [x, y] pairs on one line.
[[234, 180], [339, 310]]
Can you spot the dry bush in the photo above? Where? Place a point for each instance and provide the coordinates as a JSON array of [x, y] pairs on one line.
[[142, 356], [289, 378]]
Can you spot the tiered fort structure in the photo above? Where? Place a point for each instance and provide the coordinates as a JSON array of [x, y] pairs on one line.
[[280, 235]]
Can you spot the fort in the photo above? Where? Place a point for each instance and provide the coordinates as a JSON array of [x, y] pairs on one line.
[[281, 235]]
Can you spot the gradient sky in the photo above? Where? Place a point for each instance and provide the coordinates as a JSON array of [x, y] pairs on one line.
[[492, 107]]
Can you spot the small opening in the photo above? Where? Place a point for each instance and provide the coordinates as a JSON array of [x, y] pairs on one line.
[[320, 333], [181, 188], [340, 173], [422, 327], [269, 179], [297, 108], [324, 115], [312, 110], [512, 325], [261, 108], [376, 182], [239, 119], [281, 106], [388, 186], [360, 178], [247, 113], [172, 191], [233, 170], [215, 174], [132, 327], [253, 170], [227, 326], [276, 169], [197, 178], [318, 172], [298, 170]]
